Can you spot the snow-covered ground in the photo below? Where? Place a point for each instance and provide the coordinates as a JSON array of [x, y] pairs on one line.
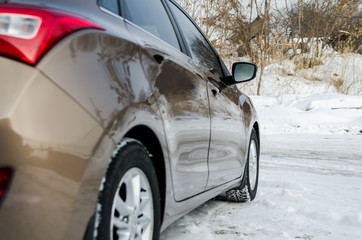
[[310, 176], [312, 114], [338, 73], [310, 188]]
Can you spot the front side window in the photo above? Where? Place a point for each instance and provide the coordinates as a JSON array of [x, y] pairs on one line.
[[200, 49], [152, 17]]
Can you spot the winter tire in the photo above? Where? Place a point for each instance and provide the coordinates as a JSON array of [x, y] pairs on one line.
[[129, 203], [249, 184]]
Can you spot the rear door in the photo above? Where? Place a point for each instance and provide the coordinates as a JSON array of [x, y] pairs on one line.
[[181, 94], [226, 154]]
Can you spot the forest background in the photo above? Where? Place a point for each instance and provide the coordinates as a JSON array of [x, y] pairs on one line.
[[314, 41]]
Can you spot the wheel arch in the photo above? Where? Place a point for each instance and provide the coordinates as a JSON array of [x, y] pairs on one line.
[[149, 139]]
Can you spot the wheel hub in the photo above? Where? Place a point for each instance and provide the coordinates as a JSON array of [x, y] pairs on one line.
[[132, 210], [253, 164]]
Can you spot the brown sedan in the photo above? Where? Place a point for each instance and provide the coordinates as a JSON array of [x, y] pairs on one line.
[[116, 118]]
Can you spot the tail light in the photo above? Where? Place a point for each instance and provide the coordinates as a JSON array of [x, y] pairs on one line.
[[6, 174], [27, 33]]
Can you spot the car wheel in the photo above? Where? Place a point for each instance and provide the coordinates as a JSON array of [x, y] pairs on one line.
[[249, 184], [129, 201]]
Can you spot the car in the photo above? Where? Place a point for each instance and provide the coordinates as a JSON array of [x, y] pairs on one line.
[[116, 118]]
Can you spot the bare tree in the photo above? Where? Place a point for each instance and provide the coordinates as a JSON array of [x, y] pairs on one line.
[[301, 31]]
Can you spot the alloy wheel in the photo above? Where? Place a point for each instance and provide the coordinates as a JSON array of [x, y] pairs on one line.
[[132, 210], [253, 164]]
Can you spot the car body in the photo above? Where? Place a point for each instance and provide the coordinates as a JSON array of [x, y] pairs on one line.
[[68, 100]]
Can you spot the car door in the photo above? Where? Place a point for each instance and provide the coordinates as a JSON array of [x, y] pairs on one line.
[[226, 153], [180, 93], [227, 146]]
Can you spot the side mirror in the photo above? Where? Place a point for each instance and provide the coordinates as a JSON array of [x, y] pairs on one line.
[[243, 72]]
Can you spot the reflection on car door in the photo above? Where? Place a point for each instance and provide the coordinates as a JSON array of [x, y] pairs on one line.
[[184, 108], [227, 152], [227, 130], [182, 98]]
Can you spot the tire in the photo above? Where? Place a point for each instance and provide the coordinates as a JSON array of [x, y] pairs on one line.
[[249, 185], [129, 201]]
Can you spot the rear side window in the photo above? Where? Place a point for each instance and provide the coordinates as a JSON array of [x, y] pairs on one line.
[[200, 49], [110, 5], [152, 17]]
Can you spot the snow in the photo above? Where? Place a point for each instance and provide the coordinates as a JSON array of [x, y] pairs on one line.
[[310, 188], [310, 167], [319, 113], [337, 73]]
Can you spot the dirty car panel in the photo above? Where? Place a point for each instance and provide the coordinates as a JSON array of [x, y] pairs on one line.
[[109, 77]]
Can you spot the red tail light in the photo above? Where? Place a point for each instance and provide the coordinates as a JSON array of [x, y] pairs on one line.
[[27, 33], [5, 178]]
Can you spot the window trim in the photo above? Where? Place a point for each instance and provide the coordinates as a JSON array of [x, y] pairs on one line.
[[177, 24], [170, 18], [224, 70], [109, 11], [176, 27], [179, 36]]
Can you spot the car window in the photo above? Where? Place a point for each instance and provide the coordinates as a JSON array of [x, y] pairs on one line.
[[111, 5], [199, 47], [152, 17]]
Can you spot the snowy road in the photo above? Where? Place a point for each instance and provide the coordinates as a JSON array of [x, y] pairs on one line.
[[310, 188]]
